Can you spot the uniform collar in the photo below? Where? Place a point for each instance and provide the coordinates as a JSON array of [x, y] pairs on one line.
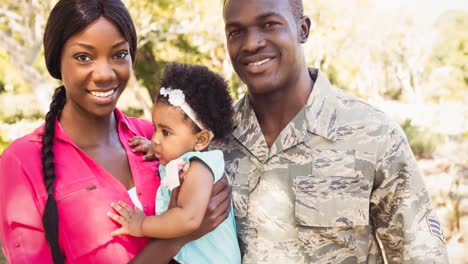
[[318, 116], [321, 108]]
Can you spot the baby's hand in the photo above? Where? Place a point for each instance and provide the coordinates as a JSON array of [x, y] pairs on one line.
[[142, 144], [130, 219]]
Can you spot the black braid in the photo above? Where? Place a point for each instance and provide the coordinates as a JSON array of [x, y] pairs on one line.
[[50, 217]]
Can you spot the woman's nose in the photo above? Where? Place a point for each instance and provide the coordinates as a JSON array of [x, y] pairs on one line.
[[103, 73]]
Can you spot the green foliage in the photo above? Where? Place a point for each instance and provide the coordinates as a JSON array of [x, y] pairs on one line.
[[148, 69], [422, 141], [393, 94], [18, 116], [179, 31], [447, 66], [133, 112], [9, 75], [3, 145]]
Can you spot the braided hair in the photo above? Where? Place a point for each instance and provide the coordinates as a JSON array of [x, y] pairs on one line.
[[68, 18], [50, 216]]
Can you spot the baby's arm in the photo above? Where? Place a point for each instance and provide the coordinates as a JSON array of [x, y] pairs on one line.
[[142, 144], [181, 220]]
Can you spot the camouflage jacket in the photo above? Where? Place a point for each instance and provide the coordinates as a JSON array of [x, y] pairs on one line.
[[340, 185]]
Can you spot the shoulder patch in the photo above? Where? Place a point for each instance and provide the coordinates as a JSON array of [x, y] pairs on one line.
[[435, 227]]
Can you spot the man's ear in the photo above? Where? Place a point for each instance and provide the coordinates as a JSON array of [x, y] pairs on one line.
[[204, 138], [303, 25]]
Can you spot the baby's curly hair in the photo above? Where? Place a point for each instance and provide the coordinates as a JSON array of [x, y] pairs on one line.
[[207, 94]]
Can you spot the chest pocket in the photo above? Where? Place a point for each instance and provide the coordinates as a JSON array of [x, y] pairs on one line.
[[329, 192], [83, 222], [80, 212]]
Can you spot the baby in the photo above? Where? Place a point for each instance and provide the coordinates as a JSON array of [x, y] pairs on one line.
[[192, 109]]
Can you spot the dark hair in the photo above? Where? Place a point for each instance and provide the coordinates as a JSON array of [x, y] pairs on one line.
[[205, 92], [297, 8], [67, 18]]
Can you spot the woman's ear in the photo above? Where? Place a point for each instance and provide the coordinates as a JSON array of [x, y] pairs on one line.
[[204, 138]]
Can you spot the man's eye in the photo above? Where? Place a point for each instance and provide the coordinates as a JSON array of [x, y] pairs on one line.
[[270, 24], [234, 33]]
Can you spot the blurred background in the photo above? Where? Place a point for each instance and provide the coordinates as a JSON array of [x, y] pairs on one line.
[[409, 58]]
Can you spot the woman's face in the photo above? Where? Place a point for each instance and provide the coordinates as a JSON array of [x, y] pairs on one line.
[[95, 67]]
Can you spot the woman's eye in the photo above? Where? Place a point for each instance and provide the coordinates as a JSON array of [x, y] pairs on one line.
[[121, 55], [165, 132], [83, 58]]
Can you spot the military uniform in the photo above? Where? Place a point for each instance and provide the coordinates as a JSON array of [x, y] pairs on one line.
[[339, 185]]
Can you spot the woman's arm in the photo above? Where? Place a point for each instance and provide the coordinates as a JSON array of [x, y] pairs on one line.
[[163, 250], [178, 221], [21, 232]]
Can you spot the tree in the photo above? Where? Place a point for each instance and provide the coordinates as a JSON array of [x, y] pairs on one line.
[[22, 25]]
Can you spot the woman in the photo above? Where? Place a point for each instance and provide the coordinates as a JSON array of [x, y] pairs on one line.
[[57, 183]]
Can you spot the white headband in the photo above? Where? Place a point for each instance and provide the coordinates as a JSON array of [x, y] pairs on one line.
[[177, 98]]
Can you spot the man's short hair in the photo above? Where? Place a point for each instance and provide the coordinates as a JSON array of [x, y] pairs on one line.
[[297, 8]]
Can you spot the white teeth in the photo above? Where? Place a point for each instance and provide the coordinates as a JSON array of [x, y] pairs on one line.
[[102, 94], [259, 63]]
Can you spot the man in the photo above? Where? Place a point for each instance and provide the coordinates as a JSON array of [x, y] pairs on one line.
[[318, 176]]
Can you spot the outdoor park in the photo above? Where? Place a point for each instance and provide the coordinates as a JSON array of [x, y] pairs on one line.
[[408, 58]]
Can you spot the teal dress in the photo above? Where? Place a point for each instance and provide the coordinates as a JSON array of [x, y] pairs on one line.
[[218, 246]]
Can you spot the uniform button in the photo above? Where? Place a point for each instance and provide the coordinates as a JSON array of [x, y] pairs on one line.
[[145, 206], [17, 244], [139, 193]]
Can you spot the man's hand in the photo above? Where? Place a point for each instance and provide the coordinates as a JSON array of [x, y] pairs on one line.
[[142, 144], [130, 219]]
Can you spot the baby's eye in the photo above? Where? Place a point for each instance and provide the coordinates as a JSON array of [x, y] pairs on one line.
[[165, 132]]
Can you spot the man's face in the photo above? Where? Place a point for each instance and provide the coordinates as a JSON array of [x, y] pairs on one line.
[[263, 43]]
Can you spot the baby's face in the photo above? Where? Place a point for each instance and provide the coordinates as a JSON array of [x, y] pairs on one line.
[[174, 134]]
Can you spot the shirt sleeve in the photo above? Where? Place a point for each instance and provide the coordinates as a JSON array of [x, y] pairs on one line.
[[21, 232], [213, 159], [400, 208]]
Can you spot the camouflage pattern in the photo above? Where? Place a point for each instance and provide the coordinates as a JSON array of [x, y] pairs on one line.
[[339, 185]]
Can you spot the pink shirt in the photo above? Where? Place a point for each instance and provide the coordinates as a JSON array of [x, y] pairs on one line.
[[84, 192]]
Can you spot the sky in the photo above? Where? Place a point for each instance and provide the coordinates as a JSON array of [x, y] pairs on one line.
[[425, 11]]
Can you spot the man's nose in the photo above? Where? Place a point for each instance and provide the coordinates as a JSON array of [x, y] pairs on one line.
[[254, 40]]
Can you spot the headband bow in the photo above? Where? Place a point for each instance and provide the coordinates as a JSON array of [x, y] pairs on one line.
[[177, 98]]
